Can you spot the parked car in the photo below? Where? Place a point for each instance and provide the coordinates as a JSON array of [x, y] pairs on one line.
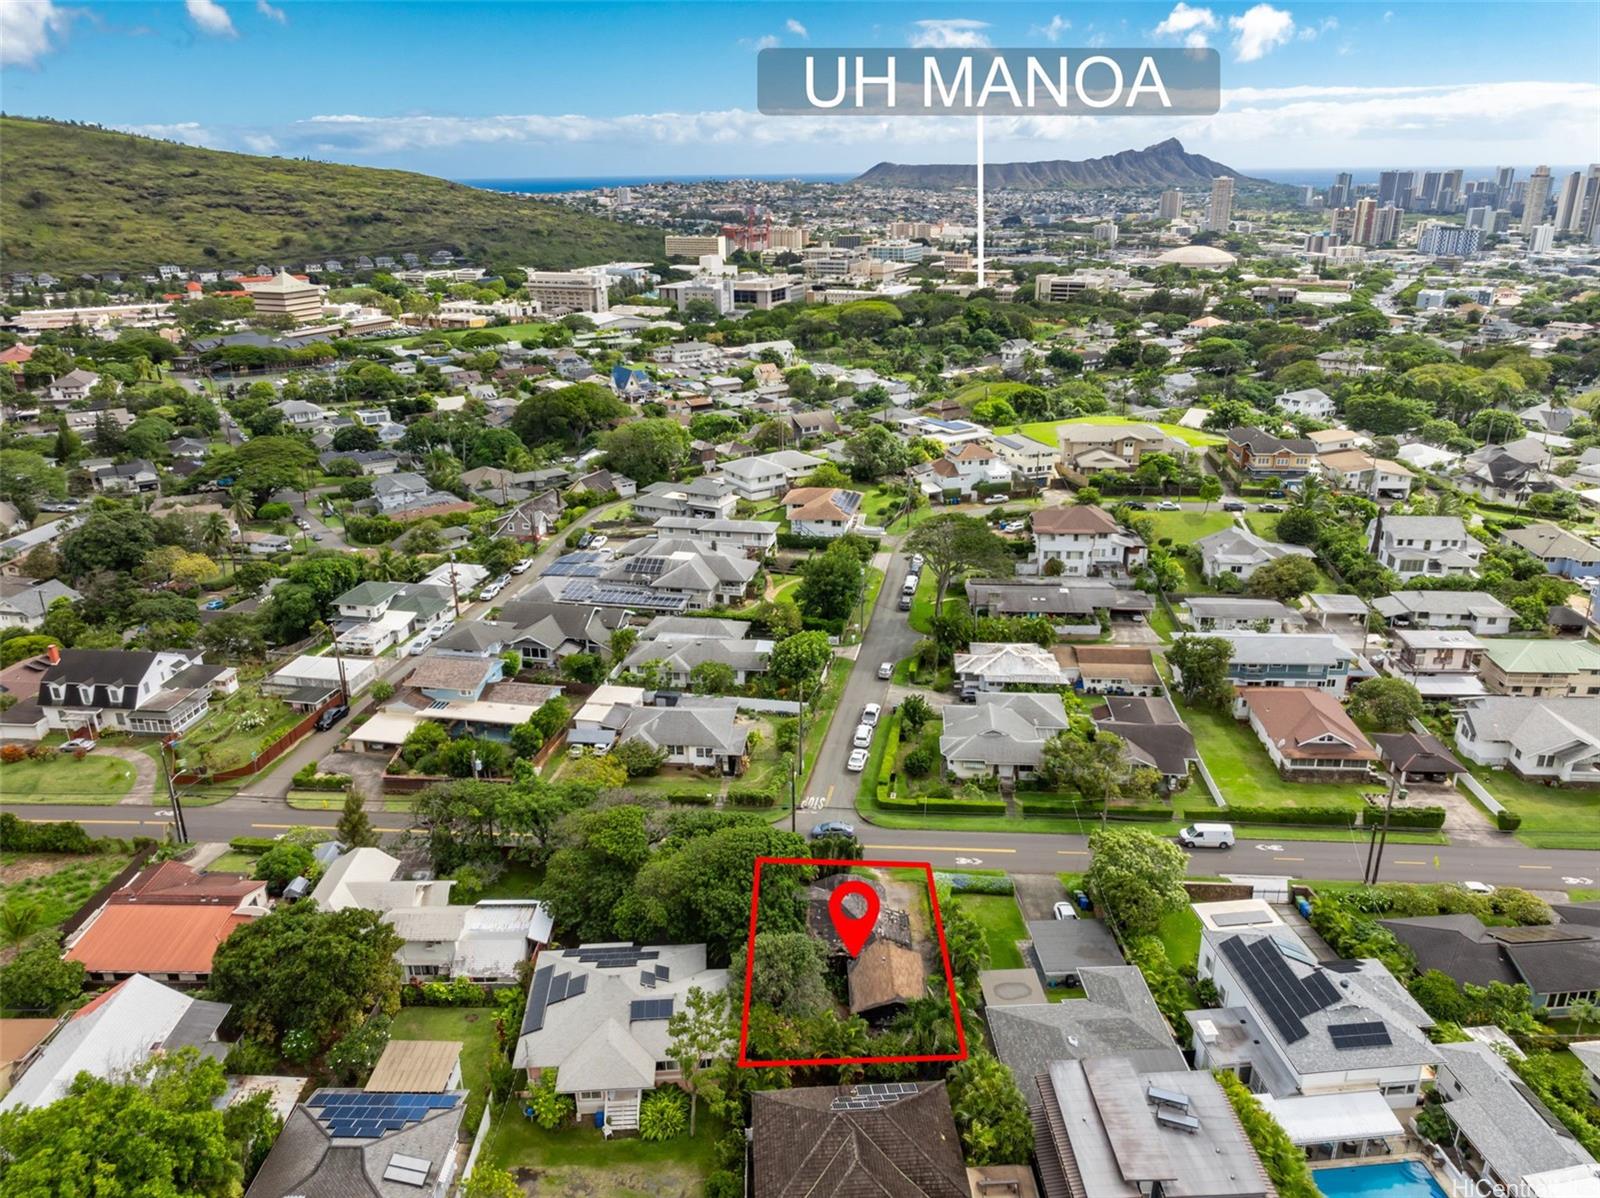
[[598, 542], [832, 827], [1066, 911], [886, 671], [870, 714], [332, 716], [1233, 505], [77, 743], [857, 762], [523, 566], [1478, 887], [316, 536], [419, 645], [215, 604], [1270, 507], [1135, 505], [1169, 505], [1207, 836], [585, 540], [916, 563], [863, 737]]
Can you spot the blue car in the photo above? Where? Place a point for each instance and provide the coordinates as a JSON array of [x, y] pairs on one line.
[[215, 604]]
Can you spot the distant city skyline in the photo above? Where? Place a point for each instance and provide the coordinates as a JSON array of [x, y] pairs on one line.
[[563, 89]]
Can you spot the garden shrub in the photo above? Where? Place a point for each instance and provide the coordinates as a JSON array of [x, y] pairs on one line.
[[751, 797], [1507, 821], [936, 806], [1328, 816], [457, 992], [65, 836], [1404, 817], [663, 1115], [920, 761], [976, 883], [1284, 1162], [549, 1109]]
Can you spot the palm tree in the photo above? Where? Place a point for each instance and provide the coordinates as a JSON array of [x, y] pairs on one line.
[[20, 920], [242, 509], [214, 534]]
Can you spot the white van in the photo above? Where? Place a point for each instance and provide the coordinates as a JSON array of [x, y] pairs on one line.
[[1207, 836]]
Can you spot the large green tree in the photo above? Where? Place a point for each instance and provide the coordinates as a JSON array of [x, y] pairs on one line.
[[952, 545], [647, 451], [990, 1111], [1136, 877], [830, 584], [1201, 666], [264, 465]]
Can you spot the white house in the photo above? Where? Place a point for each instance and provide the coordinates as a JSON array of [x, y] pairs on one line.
[[1086, 540], [1424, 546], [1551, 739], [1240, 552], [1311, 402], [823, 511]]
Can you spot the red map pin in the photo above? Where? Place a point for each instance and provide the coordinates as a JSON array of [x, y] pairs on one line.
[[854, 929]]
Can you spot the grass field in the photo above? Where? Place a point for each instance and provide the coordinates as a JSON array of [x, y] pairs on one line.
[[61, 778], [1185, 528], [473, 1027], [579, 1160], [1180, 936], [59, 883], [1245, 774], [1045, 431], [237, 729], [1552, 818], [233, 863], [1002, 925]]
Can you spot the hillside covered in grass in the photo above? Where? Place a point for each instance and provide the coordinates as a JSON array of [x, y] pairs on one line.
[[78, 198]]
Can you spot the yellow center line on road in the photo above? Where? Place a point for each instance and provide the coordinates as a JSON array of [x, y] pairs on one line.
[[1288, 858], [929, 848], [1411, 863], [134, 822], [1535, 867], [1072, 852]]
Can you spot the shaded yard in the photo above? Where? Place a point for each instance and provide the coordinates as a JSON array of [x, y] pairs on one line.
[[474, 1028]]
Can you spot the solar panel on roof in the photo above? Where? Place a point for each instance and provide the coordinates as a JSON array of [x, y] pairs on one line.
[[1359, 1035], [647, 979], [538, 998], [645, 1010], [1239, 919], [558, 988], [1284, 997], [578, 984]]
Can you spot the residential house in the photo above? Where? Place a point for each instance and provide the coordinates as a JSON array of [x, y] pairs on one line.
[[1152, 733], [1258, 454], [371, 462], [749, 538], [405, 495], [533, 519], [1240, 552], [1477, 611], [597, 1015], [1547, 417], [301, 413], [1273, 659], [768, 475], [1417, 758], [311, 679], [1089, 448], [373, 616], [884, 978], [680, 567], [1313, 403], [696, 735], [1000, 735], [1559, 963], [1228, 614], [545, 633], [129, 691], [371, 1143], [1424, 546], [1508, 474], [825, 512], [966, 467], [132, 477], [165, 924], [1331, 440], [1110, 669], [1307, 733], [1359, 473], [71, 387], [1064, 948], [1562, 552], [1549, 739], [487, 943], [365, 878], [1542, 669], [605, 482], [820, 424], [1028, 459], [857, 1142], [24, 602], [674, 659], [1114, 1132], [114, 1032], [703, 498], [1086, 540], [1442, 663], [1073, 607], [1505, 1139], [1285, 1024], [994, 666]]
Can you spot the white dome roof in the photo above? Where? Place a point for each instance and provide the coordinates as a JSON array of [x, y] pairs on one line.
[[1197, 255]]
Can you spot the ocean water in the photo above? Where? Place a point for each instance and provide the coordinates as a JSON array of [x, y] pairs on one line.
[[596, 182]]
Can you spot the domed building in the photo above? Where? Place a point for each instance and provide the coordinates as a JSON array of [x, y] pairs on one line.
[[1200, 257]]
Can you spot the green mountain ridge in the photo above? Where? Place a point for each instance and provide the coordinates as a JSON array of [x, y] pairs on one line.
[[1165, 164], [79, 198]]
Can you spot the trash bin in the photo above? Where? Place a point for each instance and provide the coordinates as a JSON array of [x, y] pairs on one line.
[[1082, 900], [1305, 907], [599, 1120]]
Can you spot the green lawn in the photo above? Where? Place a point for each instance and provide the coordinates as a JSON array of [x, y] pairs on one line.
[[59, 883], [973, 392], [62, 778], [1002, 926], [1066, 825], [233, 863], [922, 602], [1552, 818], [591, 1165], [517, 881], [237, 729], [1185, 528], [1180, 936], [1045, 431], [820, 713], [473, 1027], [1245, 774]]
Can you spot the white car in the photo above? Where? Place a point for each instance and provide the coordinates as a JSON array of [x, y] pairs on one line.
[[419, 646], [870, 714], [1167, 505], [916, 563], [863, 736], [886, 671], [992, 500], [1066, 910], [599, 542], [857, 762], [1478, 887], [523, 566]]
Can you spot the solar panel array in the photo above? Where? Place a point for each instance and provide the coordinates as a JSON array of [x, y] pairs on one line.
[[408, 1170], [873, 1097], [612, 956], [619, 594], [647, 979], [567, 985], [1285, 998], [1359, 1035], [646, 1010], [358, 1115]]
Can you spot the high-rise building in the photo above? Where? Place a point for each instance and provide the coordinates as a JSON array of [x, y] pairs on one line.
[[1386, 224], [1589, 221], [1395, 187], [1569, 204], [1363, 220], [573, 290], [1541, 238], [1439, 240], [1221, 210], [1449, 191], [1339, 194], [1481, 217], [1428, 197], [1171, 204], [1308, 196], [695, 245], [1106, 232], [285, 295], [787, 237], [1538, 199], [1504, 177]]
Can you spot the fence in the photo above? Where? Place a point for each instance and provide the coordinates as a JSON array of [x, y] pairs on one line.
[[478, 1141], [97, 900], [262, 759]]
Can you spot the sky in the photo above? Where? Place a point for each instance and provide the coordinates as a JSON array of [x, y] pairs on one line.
[[472, 90]]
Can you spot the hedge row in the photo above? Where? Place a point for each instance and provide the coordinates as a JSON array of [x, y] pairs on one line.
[[1405, 817], [1324, 816], [1508, 821], [946, 806], [307, 778], [748, 797], [1056, 806], [793, 540], [64, 837], [976, 883], [251, 844], [891, 747], [690, 798]]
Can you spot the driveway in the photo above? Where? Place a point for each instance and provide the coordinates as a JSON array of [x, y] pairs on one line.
[[1038, 894], [145, 775]]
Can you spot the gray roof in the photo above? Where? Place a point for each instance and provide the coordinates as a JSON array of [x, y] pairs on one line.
[[693, 628], [1002, 729], [33, 599], [1506, 1123], [1068, 945], [1242, 609], [684, 655], [1238, 544], [1287, 648], [1442, 603], [1116, 1018], [688, 725], [1535, 724]]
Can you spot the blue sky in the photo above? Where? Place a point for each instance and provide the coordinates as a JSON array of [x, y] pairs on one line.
[[474, 90]]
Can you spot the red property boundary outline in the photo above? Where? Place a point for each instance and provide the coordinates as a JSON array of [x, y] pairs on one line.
[[744, 1061]]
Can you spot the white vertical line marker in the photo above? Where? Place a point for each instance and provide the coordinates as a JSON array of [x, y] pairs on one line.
[[980, 200]]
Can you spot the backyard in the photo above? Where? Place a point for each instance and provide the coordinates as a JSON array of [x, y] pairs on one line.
[[1045, 431], [1002, 925], [473, 1027], [59, 883], [238, 728], [62, 778], [579, 1160], [1245, 774], [1185, 528]]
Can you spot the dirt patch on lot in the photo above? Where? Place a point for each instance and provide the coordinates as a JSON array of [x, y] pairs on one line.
[[26, 868], [657, 1180]]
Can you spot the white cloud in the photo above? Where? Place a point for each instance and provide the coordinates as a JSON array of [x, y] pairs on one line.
[[765, 42], [959, 33], [794, 27], [190, 133], [1189, 23], [26, 29], [1261, 30], [271, 13], [1053, 31], [1388, 16], [1097, 39], [1308, 33], [211, 18]]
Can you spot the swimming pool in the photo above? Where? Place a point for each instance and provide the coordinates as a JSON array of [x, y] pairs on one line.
[[1392, 1179]]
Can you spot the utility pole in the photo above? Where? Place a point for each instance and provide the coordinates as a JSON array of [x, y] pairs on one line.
[[1375, 851], [798, 766], [179, 828]]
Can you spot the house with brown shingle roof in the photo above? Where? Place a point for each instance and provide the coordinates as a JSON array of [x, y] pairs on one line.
[[1306, 732], [885, 978], [823, 511], [1086, 540]]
